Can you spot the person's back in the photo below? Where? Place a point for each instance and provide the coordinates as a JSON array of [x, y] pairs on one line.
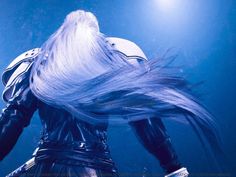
[[68, 146]]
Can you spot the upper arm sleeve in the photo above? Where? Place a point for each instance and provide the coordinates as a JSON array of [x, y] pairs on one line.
[[20, 106], [14, 117]]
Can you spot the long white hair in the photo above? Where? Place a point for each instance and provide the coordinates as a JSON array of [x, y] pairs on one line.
[[76, 52], [79, 71]]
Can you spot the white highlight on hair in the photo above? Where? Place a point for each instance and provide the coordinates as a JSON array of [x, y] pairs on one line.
[[76, 52]]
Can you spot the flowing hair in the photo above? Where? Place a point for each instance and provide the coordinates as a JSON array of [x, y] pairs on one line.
[[76, 52], [79, 70]]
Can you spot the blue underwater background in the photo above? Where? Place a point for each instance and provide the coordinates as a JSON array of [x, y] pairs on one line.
[[202, 33]]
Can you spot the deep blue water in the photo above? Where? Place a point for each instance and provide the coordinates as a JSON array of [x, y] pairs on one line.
[[203, 33]]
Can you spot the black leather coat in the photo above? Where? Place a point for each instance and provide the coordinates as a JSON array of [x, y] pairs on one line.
[[69, 146]]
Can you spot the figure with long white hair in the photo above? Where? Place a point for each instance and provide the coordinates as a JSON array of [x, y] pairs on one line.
[[80, 81]]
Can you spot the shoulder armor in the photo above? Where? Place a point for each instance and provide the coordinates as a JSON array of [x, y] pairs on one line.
[[17, 71], [127, 48], [21, 59]]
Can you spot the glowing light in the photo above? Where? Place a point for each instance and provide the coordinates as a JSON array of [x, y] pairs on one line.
[[167, 4]]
